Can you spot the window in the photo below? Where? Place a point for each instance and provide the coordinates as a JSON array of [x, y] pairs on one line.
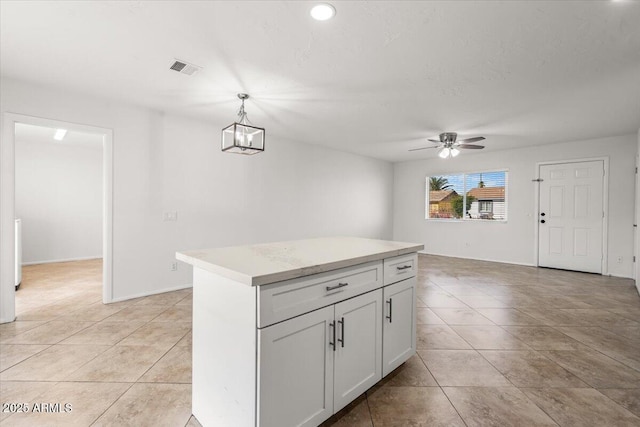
[[485, 205], [467, 196]]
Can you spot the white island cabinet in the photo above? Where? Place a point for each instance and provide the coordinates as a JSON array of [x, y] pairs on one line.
[[287, 334]]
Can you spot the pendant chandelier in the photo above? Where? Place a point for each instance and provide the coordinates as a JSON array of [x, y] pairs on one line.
[[241, 137]]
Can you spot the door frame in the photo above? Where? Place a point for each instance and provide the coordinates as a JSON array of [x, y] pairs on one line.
[[605, 208], [636, 217], [7, 206]]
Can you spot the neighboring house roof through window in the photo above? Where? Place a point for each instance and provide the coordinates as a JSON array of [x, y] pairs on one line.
[[487, 193], [440, 195]]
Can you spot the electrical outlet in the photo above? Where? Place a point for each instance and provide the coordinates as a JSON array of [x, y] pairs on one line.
[[174, 266], [170, 216]]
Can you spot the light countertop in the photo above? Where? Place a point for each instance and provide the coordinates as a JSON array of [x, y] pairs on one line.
[[261, 264]]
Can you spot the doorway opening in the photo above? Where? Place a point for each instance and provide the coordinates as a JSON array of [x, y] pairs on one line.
[[572, 215], [60, 203]]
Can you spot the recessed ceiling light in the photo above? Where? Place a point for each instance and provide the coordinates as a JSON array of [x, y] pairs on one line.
[[323, 12], [60, 133]]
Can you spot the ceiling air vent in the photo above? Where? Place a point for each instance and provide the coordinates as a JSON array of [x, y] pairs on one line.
[[184, 67]]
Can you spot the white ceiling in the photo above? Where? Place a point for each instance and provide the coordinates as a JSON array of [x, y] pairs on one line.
[[378, 79], [44, 135]]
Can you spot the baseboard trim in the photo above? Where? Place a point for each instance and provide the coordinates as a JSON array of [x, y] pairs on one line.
[[148, 294], [53, 261], [618, 276], [480, 259], [524, 264]]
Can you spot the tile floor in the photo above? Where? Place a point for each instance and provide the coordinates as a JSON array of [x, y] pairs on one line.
[[498, 345]]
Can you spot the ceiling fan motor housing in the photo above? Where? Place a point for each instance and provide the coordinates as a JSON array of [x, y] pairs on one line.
[[448, 137]]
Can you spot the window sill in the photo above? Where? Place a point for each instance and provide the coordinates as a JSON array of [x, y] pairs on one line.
[[484, 221]]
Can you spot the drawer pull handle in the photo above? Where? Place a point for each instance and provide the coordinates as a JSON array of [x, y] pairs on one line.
[[404, 267], [341, 341], [338, 286], [390, 316], [332, 325]]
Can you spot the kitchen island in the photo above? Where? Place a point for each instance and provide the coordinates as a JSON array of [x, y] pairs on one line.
[[288, 333]]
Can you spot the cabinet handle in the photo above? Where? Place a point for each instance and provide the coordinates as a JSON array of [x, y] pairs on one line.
[[338, 286], [341, 341], [332, 325], [404, 267], [390, 316]]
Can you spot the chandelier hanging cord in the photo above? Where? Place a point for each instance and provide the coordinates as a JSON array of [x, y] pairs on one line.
[[243, 118], [242, 115]]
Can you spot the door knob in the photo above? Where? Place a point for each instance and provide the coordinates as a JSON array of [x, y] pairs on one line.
[[542, 221]]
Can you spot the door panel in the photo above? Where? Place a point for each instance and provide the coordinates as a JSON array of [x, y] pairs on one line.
[[581, 203], [556, 201], [296, 371], [581, 242], [358, 364], [399, 331], [570, 221], [555, 240]]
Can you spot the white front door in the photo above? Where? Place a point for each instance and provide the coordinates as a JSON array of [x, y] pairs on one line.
[[570, 218]]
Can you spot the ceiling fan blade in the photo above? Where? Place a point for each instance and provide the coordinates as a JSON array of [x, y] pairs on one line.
[[434, 140], [468, 140], [470, 146], [422, 148]]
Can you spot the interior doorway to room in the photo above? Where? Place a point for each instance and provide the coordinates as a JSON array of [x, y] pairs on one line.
[[59, 215], [57, 179], [571, 216]]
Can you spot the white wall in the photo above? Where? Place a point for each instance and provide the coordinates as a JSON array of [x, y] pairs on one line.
[[59, 199], [513, 241], [169, 163]]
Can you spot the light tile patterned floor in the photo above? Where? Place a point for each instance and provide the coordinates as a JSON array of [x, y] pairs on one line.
[[497, 345]]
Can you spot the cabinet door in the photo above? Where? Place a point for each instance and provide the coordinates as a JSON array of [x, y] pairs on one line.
[[399, 331], [359, 346], [295, 371]]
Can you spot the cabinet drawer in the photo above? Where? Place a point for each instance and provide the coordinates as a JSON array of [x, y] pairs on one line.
[[284, 300], [400, 268]]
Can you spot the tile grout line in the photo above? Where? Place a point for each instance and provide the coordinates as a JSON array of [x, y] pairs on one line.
[[24, 360], [112, 403], [163, 355], [591, 347], [442, 390]]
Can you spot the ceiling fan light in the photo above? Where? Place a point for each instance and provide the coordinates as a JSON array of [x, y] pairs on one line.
[[444, 153], [454, 152]]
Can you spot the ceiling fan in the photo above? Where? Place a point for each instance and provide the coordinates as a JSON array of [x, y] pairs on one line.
[[449, 146]]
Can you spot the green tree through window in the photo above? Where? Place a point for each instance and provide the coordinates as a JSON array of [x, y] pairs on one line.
[[439, 183]]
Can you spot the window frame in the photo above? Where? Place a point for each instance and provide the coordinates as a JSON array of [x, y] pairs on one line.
[[485, 203], [464, 218]]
